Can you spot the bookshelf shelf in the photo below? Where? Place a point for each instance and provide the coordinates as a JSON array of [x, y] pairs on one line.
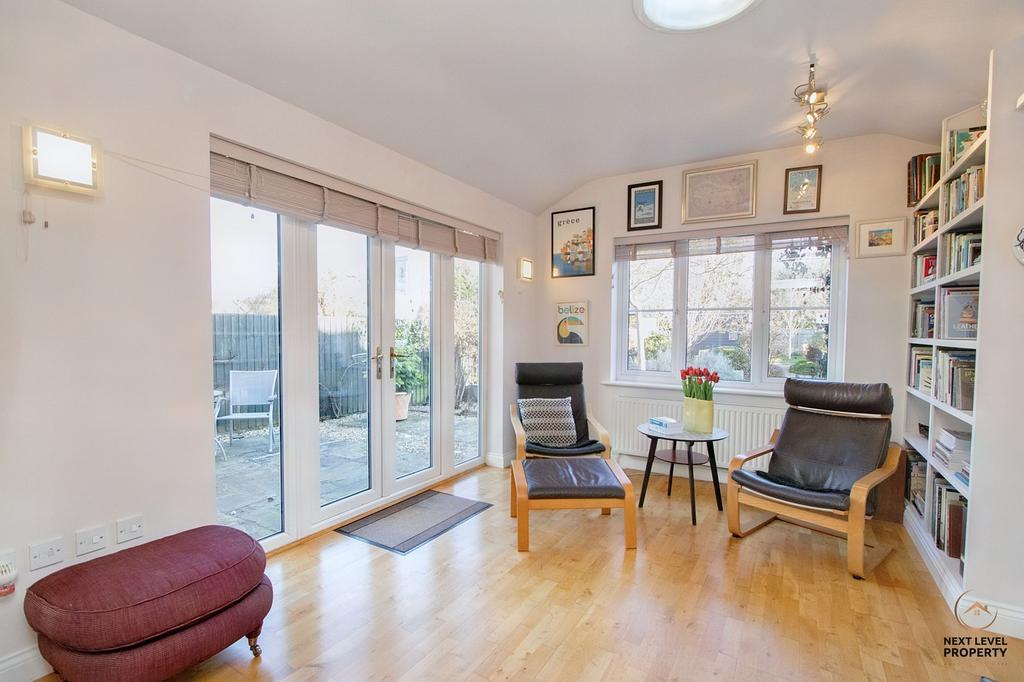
[[920, 444], [971, 275], [970, 217], [962, 415], [968, 344], [930, 199], [920, 341], [927, 287], [972, 156], [929, 245]]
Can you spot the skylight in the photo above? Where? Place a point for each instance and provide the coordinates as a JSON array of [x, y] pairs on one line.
[[688, 15]]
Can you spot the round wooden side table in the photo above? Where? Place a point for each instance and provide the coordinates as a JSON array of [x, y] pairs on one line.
[[689, 458]]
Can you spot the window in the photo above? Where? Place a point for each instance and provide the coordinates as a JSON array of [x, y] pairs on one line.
[[755, 308], [467, 364]]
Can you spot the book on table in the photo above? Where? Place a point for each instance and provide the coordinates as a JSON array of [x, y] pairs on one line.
[[666, 426]]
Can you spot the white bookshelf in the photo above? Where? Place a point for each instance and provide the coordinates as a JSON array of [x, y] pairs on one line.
[[925, 408]]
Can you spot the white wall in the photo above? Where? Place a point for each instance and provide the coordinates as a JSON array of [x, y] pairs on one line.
[[995, 543], [105, 332], [862, 177]]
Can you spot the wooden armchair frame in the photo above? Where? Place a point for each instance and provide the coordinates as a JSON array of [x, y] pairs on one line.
[[849, 524], [597, 430]]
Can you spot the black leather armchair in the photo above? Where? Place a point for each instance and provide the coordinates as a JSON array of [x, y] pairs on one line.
[[832, 450], [558, 380]]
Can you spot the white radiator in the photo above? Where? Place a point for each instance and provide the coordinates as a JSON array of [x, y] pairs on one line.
[[749, 426]]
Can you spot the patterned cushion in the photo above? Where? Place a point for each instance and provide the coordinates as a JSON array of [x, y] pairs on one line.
[[548, 421]]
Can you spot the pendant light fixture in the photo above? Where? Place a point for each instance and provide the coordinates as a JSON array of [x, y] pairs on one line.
[[811, 99]]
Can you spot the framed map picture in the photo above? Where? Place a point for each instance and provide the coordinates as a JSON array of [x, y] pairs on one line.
[[882, 238], [721, 193], [803, 190], [572, 243], [572, 327], [644, 201]]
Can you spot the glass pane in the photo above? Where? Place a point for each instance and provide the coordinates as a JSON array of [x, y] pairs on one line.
[[246, 359], [650, 342], [798, 343], [412, 366], [651, 284], [720, 281], [467, 360], [720, 341], [801, 277], [342, 263]]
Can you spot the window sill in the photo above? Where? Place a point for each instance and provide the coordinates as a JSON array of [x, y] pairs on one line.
[[675, 388]]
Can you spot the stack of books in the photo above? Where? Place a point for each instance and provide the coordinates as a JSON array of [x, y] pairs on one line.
[[965, 472], [965, 191], [926, 223], [665, 426], [953, 376], [921, 369], [948, 520], [958, 314], [923, 172], [924, 320], [924, 269], [962, 251], [918, 481], [958, 141], [952, 447]]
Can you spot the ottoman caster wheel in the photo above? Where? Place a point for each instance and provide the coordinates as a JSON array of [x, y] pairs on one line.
[[255, 648]]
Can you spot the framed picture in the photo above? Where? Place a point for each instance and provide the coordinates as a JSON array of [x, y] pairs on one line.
[[572, 243], [572, 326], [644, 200], [882, 238], [720, 193], [803, 190]]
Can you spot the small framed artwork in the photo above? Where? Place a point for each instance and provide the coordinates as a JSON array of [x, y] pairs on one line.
[[720, 193], [882, 238], [803, 190], [572, 243], [573, 326], [644, 201]]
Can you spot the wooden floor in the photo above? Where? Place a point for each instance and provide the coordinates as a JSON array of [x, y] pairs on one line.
[[690, 604]]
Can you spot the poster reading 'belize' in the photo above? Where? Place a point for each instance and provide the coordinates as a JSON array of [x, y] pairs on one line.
[[572, 326]]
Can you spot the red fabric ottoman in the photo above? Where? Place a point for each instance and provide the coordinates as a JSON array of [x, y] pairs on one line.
[[152, 611]]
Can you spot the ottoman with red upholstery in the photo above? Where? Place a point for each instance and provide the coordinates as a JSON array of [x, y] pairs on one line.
[[152, 611]]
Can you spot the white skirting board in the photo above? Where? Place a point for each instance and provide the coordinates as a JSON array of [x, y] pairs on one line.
[[23, 665]]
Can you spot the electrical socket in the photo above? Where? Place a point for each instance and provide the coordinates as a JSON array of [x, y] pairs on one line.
[[45, 553], [130, 528], [90, 540]]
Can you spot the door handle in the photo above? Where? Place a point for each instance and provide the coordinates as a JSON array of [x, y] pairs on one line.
[[378, 358], [395, 356]]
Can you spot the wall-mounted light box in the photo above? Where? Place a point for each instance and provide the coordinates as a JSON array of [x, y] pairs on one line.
[[526, 269], [56, 159]]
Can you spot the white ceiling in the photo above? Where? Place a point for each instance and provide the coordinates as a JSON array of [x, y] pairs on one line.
[[528, 99]]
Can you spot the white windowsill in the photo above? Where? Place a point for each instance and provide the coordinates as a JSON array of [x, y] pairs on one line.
[[725, 390]]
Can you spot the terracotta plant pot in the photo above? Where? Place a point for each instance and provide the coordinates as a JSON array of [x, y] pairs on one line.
[[402, 400], [698, 415]]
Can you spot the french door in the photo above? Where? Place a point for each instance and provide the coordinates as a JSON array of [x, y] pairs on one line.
[[376, 350]]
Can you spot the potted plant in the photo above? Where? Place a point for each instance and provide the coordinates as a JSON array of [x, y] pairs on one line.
[[698, 399], [408, 375]]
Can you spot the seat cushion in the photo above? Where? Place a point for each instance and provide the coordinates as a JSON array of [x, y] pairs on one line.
[[762, 482], [583, 447], [146, 591], [548, 421], [559, 479]]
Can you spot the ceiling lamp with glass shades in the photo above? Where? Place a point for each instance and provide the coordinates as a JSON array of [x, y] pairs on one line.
[[811, 99], [689, 15]]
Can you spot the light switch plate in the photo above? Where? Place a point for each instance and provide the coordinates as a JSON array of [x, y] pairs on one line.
[[45, 553], [90, 540], [130, 528]]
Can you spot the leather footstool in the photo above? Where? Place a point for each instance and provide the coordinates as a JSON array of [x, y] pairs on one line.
[[583, 483], [152, 611]]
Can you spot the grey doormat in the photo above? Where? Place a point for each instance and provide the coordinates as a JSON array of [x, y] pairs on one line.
[[405, 526]]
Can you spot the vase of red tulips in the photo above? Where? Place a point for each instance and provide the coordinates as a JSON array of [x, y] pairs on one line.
[[698, 399]]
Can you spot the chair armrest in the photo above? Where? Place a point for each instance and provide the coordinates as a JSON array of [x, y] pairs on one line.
[[859, 491], [517, 427], [602, 434], [739, 460]]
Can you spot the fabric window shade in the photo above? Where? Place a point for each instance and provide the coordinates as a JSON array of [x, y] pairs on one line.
[[341, 210], [732, 243], [250, 183], [286, 194]]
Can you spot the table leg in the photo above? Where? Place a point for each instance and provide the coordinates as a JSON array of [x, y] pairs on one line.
[[672, 468], [647, 472], [693, 499], [714, 473]]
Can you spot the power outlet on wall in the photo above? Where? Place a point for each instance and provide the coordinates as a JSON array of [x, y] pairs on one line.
[[45, 553], [90, 540], [130, 528]]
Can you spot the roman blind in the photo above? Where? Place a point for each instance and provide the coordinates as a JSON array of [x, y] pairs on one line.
[[310, 198], [795, 234]]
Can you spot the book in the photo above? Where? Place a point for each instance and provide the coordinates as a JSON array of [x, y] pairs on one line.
[[921, 369], [923, 171], [959, 140], [965, 191], [955, 441], [924, 320], [955, 511], [959, 313], [954, 378], [663, 422], [924, 269], [962, 251], [926, 223]]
